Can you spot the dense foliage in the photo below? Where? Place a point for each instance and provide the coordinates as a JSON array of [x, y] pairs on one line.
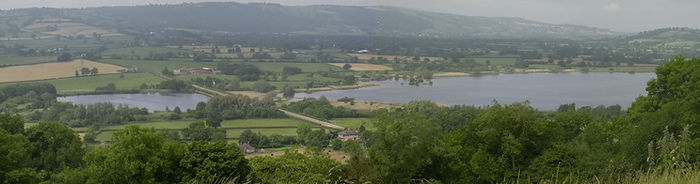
[[240, 107], [245, 72], [321, 108]]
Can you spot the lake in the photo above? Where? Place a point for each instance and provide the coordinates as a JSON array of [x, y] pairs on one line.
[[545, 91], [151, 101]]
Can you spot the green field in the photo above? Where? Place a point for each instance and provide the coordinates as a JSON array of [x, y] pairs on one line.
[[142, 51], [157, 66], [355, 123], [19, 60], [130, 81]]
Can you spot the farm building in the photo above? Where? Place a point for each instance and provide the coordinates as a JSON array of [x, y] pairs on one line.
[[246, 148], [348, 135], [194, 71]]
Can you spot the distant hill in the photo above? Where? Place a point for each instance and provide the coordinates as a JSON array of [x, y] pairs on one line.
[[325, 20], [668, 34]]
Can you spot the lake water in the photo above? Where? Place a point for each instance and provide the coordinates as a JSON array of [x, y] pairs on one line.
[[151, 101], [545, 91]]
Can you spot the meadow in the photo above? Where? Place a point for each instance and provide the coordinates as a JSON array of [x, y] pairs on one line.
[[19, 60]]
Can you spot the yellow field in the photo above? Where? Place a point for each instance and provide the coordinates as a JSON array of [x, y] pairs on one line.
[[52, 70], [363, 67]]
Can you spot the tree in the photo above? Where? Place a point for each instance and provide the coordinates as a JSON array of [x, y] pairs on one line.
[[295, 168], [167, 72], [263, 86], [53, 146], [288, 91], [93, 71], [347, 100], [347, 66], [349, 80], [198, 131], [64, 57], [214, 120], [213, 162], [13, 124], [135, 155], [84, 71], [291, 70], [13, 154]]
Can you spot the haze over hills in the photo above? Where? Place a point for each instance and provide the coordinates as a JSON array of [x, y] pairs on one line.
[[320, 19]]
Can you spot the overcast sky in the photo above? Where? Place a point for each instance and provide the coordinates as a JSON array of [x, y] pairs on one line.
[[618, 15]]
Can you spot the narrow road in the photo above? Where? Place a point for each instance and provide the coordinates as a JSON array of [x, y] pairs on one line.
[[209, 90], [322, 123]]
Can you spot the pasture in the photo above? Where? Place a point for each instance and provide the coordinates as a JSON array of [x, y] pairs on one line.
[[54, 70], [363, 67], [19, 60]]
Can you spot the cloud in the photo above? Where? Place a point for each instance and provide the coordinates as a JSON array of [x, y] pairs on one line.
[[612, 6]]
